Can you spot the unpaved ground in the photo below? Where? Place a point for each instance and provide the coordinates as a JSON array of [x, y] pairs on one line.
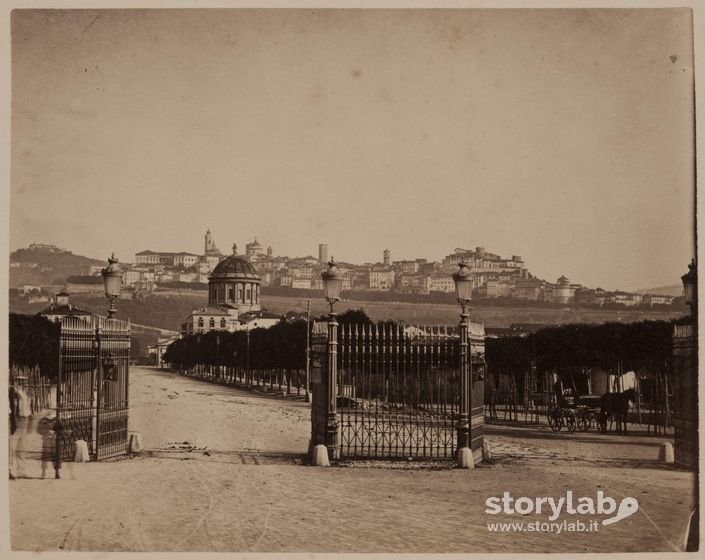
[[241, 486]]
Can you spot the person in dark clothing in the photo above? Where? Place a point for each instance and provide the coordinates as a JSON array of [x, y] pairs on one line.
[[14, 415]]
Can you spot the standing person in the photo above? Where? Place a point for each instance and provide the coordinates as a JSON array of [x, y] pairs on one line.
[[13, 421], [45, 428]]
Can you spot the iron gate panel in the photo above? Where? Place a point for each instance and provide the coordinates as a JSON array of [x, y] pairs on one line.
[[398, 391], [92, 396], [76, 383], [685, 389], [113, 338]]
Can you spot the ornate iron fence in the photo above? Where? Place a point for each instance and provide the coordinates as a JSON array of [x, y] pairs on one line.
[[113, 347], [685, 380], [92, 390], [398, 391]]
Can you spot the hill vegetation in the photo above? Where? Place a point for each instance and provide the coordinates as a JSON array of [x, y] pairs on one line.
[[169, 310], [46, 266]]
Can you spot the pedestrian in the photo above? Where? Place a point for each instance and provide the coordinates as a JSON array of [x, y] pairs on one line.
[[13, 418], [45, 428]]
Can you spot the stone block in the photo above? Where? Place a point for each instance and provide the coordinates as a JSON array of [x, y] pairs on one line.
[[320, 456], [80, 454]]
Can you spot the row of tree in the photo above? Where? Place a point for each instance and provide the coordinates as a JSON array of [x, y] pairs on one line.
[[282, 346], [34, 341], [643, 345]]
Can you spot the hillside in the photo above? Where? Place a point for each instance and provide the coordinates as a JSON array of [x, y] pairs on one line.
[[675, 290], [168, 311], [46, 265]]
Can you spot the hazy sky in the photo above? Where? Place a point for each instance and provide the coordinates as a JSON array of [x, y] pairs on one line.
[[562, 136]]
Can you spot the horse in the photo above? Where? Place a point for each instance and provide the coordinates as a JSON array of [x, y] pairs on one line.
[[616, 405]]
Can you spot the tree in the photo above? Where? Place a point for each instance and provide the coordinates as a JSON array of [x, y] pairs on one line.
[[34, 341]]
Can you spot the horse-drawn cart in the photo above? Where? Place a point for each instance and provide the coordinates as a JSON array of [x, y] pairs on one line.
[[574, 413]]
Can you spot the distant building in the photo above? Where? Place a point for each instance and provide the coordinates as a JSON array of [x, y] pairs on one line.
[[211, 318], [407, 267], [322, 253], [440, 282], [233, 288], [381, 279], [495, 289], [181, 259], [653, 299], [234, 282], [627, 299], [156, 351], [45, 247], [254, 250], [210, 249], [62, 307], [27, 288], [561, 291], [414, 283], [258, 320], [585, 296], [530, 289], [387, 257]]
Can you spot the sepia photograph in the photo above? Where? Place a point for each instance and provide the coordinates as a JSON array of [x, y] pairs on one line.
[[344, 280]]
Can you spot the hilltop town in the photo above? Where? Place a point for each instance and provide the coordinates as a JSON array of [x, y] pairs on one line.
[[494, 277]]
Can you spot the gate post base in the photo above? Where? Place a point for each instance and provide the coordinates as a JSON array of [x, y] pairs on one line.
[[81, 452], [320, 456], [486, 452], [465, 459], [135, 445], [665, 454]]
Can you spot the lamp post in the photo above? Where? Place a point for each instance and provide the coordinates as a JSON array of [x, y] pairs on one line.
[[685, 393], [112, 278], [332, 283], [308, 350], [690, 289], [463, 290]]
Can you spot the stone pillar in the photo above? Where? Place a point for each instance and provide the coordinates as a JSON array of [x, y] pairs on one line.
[[332, 389], [464, 412]]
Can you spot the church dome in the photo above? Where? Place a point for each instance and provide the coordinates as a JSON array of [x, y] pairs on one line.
[[234, 266]]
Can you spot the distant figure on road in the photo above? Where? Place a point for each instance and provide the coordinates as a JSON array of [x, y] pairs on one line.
[[46, 429], [12, 428]]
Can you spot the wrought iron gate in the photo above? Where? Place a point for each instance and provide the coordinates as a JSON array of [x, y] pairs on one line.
[[398, 390], [685, 381], [92, 396]]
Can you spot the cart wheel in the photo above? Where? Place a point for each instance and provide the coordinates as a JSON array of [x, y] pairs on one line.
[[570, 420], [584, 423], [554, 419]]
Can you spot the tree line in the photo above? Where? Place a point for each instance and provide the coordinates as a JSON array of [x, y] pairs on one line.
[[34, 341], [282, 346], [643, 345], [569, 348]]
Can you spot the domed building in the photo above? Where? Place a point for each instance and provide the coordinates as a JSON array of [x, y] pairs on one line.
[[234, 282], [233, 299]]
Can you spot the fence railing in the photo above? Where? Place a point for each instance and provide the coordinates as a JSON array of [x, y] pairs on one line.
[[398, 391]]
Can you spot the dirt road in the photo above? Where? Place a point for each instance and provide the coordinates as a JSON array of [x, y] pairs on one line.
[[240, 485]]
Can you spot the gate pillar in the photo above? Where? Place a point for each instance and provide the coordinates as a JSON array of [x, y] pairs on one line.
[[324, 366], [685, 393], [476, 336], [332, 389]]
